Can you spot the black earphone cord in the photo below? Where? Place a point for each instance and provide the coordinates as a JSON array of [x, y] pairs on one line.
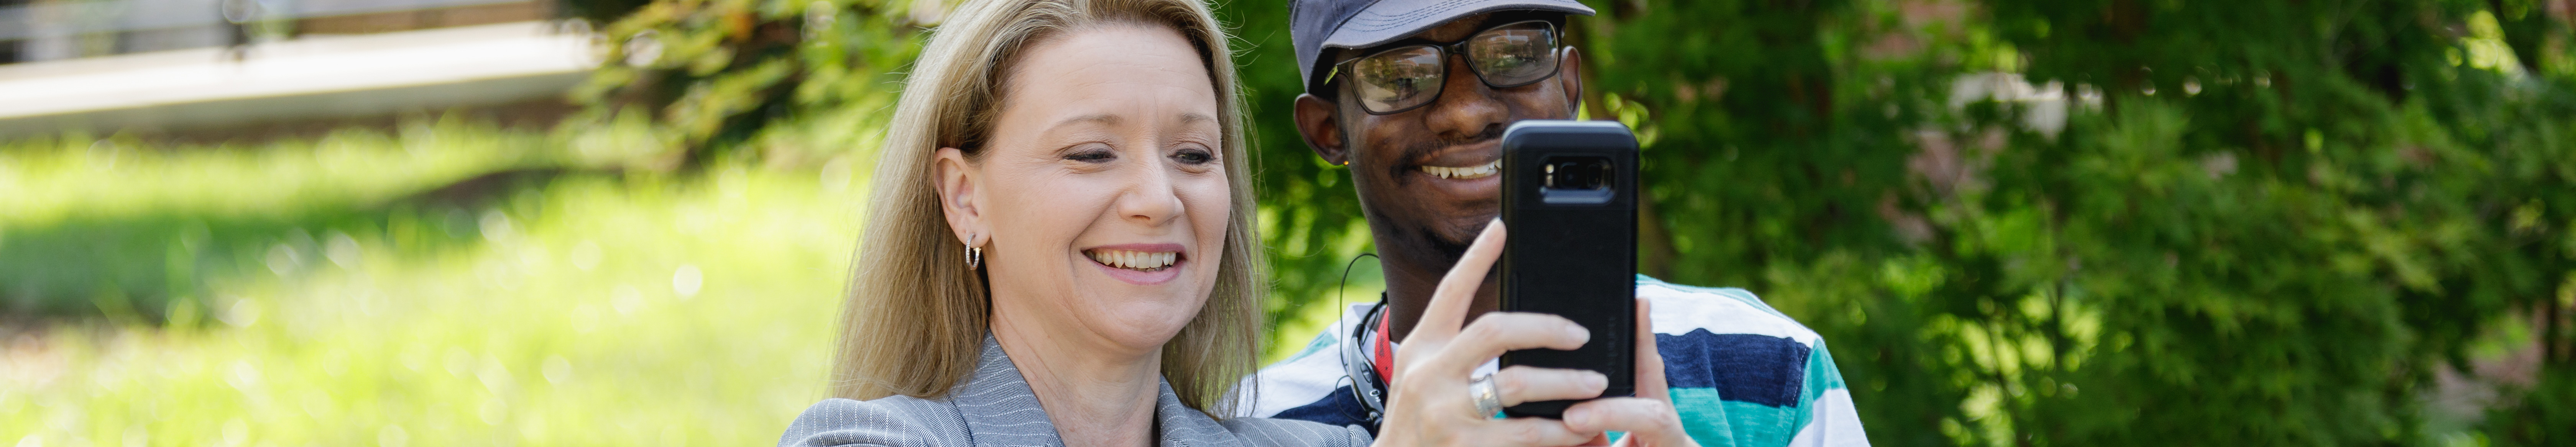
[[1365, 385]]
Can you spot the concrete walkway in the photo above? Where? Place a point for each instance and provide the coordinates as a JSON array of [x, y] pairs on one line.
[[305, 78]]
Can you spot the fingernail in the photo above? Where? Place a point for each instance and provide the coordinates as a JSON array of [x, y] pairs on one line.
[[1595, 380], [1577, 333], [1580, 417]]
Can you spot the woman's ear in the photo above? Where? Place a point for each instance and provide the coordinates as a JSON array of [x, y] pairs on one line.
[[956, 180]]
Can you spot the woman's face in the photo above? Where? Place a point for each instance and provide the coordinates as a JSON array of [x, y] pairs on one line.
[[1100, 198]]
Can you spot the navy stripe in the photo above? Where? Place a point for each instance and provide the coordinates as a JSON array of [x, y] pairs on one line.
[[1338, 408], [1742, 367]]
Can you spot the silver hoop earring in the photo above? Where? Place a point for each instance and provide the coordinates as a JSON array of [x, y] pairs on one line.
[[974, 255]]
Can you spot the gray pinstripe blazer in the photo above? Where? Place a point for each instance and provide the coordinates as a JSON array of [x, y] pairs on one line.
[[996, 408]]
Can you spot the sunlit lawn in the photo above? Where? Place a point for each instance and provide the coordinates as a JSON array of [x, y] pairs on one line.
[[594, 309]]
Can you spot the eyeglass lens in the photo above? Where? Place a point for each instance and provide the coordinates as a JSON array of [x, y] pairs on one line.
[[1399, 78], [1514, 55], [1505, 56]]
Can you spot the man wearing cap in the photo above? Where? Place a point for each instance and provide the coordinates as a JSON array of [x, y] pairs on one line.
[[1413, 96]]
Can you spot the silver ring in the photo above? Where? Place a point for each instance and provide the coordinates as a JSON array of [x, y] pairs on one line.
[[1489, 399]]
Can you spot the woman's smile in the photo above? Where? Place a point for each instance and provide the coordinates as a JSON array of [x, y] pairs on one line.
[[1141, 264]]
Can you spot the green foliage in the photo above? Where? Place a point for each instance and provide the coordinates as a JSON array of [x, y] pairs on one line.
[[2272, 226], [721, 77]]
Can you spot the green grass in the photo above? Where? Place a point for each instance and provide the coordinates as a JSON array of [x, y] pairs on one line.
[[578, 324], [119, 227], [594, 309], [79, 177], [382, 289]]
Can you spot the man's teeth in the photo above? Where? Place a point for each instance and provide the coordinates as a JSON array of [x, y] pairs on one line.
[[1135, 260], [1481, 171]]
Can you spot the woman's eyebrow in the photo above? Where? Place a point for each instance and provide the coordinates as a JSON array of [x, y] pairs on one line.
[[1102, 118], [1113, 119]]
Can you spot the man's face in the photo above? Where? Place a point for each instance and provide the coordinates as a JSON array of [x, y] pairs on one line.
[[1429, 176]]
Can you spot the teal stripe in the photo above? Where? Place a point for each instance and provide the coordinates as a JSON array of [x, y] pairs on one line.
[[1715, 422], [1321, 341], [1822, 376], [1703, 416]]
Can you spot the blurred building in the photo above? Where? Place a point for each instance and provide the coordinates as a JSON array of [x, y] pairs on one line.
[[226, 65]]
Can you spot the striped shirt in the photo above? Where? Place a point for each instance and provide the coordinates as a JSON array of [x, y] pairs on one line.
[[1740, 373]]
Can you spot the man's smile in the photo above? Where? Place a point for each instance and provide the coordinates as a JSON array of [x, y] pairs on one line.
[[1458, 172], [1465, 173]]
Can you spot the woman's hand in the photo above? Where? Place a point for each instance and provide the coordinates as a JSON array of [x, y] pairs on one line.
[[1430, 404], [1648, 418]]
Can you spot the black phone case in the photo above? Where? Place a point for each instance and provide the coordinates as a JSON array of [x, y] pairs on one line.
[[1569, 258]]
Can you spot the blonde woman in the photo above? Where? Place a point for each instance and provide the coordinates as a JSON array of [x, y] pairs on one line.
[[1059, 251]]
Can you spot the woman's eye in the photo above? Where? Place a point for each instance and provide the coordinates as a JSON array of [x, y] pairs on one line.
[[1194, 156], [1091, 156]]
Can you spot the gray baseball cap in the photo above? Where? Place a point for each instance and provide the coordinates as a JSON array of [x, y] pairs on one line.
[[1319, 25]]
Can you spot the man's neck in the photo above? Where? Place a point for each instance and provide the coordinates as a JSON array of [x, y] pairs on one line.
[[1095, 395], [1410, 281]]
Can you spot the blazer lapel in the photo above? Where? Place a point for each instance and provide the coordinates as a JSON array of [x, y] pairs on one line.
[[1183, 426], [998, 406], [1001, 410]]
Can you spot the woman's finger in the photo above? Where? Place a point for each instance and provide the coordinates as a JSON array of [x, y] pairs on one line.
[[1527, 432], [1448, 308], [1498, 332], [1649, 422], [1650, 359], [1521, 384]]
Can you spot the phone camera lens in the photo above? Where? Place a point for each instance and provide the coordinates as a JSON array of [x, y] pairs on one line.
[[1576, 180], [1578, 174]]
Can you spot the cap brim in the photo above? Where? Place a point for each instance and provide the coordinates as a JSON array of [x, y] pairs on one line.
[[1391, 20]]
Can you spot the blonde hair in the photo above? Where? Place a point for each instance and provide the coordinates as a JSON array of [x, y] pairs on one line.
[[916, 317]]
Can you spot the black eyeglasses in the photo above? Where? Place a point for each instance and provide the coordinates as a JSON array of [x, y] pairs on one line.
[[1403, 78]]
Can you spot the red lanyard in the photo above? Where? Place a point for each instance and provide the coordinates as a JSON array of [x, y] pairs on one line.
[[1385, 359]]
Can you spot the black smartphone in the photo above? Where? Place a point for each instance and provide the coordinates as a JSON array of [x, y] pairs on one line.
[[1570, 202]]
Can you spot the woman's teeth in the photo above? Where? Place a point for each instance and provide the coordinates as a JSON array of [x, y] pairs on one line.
[[1134, 260], [1480, 171]]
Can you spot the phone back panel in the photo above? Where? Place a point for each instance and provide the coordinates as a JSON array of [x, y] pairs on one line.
[[1572, 251]]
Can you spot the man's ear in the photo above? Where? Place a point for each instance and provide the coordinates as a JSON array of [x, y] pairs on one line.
[[1570, 76], [956, 180], [1317, 120]]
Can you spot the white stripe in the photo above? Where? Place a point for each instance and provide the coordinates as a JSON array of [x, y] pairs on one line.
[[1309, 378], [1679, 311], [1304, 379], [1835, 424]]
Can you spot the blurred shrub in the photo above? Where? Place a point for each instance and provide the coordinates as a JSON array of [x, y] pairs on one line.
[[2264, 223], [722, 77]]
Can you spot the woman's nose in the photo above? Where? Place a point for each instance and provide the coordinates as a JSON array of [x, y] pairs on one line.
[[1149, 198]]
